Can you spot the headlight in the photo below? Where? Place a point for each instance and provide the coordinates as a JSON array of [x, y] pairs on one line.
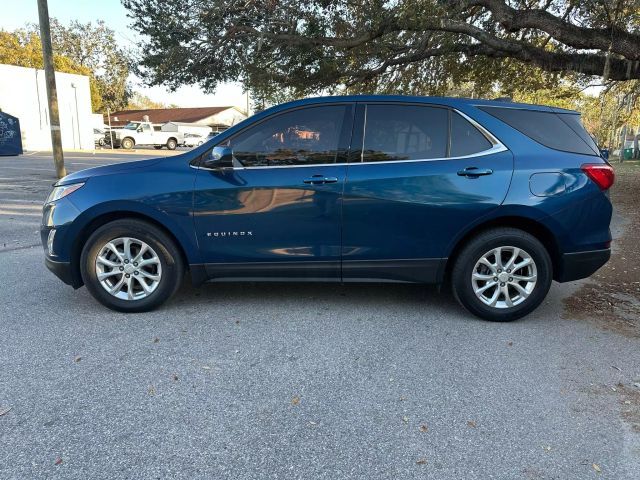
[[62, 191]]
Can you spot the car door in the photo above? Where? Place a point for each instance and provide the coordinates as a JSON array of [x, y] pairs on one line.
[[277, 213], [412, 187], [145, 134]]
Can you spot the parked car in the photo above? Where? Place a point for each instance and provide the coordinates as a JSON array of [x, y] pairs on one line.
[[193, 140], [142, 133], [98, 136], [496, 198]]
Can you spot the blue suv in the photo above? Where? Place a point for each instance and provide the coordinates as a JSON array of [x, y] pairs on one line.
[[496, 198]]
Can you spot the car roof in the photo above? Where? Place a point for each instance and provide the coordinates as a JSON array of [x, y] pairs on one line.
[[447, 101]]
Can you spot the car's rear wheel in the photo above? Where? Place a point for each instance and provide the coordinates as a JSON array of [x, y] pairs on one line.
[[128, 143], [131, 265], [172, 144], [502, 275]]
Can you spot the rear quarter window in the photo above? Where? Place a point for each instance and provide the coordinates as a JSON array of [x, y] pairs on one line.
[[560, 131], [465, 138]]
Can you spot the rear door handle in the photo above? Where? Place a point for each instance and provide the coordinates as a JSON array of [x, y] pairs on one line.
[[474, 172], [320, 180]]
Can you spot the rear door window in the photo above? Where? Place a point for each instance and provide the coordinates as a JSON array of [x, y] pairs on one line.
[[559, 131], [404, 132], [465, 138]]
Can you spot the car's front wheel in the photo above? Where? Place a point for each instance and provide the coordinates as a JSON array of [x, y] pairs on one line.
[[502, 275], [131, 265]]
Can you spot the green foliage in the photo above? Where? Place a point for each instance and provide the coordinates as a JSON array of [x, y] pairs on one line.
[[289, 49], [94, 46]]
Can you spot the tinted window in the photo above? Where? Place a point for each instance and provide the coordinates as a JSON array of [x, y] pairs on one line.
[[405, 132], [573, 120], [301, 137], [547, 128], [465, 138]]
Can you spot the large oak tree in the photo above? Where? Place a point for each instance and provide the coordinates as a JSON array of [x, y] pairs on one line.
[[408, 46]]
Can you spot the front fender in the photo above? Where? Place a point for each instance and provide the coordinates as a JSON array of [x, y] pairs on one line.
[[181, 230]]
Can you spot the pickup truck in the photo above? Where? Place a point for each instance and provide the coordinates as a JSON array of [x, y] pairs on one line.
[[142, 133]]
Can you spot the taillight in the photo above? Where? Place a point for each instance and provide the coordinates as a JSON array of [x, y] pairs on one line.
[[601, 173]]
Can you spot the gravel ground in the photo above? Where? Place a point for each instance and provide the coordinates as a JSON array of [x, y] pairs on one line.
[[313, 381], [611, 297]]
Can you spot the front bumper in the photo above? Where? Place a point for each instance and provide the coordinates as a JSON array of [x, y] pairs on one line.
[[574, 266], [63, 271]]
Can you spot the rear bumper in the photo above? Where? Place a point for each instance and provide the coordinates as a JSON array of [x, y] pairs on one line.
[[574, 266]]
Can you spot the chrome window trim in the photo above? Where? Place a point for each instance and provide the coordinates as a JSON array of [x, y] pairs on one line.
[[497, 147]]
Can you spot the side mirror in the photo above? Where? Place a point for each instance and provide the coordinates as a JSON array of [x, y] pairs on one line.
[[139, 130], [220, 158]]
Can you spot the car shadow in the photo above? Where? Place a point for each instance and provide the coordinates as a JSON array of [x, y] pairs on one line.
[[353, 295]]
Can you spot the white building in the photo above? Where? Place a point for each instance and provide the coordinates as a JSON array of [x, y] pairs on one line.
[[23, 94]]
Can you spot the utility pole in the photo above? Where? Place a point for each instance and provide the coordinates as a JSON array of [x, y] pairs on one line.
[[52, 92]]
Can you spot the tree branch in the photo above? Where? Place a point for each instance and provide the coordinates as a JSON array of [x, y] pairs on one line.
[[620, 41]]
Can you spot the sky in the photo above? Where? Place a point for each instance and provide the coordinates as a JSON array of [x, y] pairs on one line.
[[115, 16]]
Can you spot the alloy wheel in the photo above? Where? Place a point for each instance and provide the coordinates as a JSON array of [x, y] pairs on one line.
[[504, 277], [128, 268]]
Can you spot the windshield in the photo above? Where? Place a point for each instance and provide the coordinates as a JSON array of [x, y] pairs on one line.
[[131, 126]]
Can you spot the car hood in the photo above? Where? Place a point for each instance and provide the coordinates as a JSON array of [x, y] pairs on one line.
[[114, 168]]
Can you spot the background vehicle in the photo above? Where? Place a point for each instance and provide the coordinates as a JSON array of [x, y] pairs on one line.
[[98, 136], [193, 139], [496, 198], [143, 133]]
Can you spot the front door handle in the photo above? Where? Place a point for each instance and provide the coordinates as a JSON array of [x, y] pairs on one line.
[[474, 172], [320, 180]]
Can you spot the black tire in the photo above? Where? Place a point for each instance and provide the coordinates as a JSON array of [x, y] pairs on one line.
[[127, 143], [471, 253], [172, 144], [157, 147], [101, 142], [165, 248]]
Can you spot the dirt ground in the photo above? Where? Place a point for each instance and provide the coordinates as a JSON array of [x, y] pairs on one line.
[[611, 297]]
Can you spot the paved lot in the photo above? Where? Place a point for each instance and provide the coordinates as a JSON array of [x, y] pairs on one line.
[[251, 381]]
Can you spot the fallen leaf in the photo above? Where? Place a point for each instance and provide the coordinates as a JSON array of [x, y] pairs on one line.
[[547, 448], [402, 399], [156, 339], [58, 461], [5, 411], [472, 424], [206, 367], [295, 400], [237, 322], [596, 467], [510, 344], [423, 428], [152, 390], [405, 419], [77, 359], [421, 461], [175, 377]]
